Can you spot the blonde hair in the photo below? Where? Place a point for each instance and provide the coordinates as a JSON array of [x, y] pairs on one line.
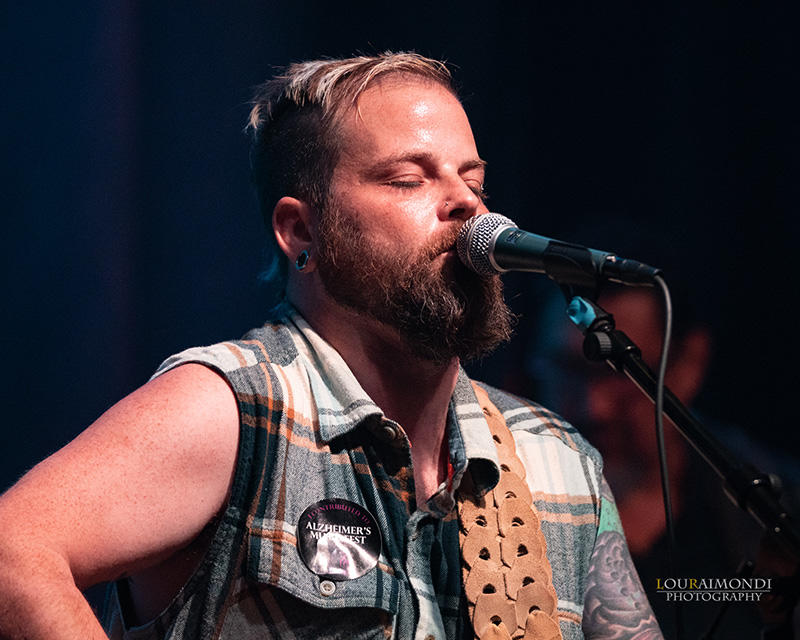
[[336, 84], [294, 128]]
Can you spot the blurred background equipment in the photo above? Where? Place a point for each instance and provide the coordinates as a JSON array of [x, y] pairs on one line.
[[713, 535]]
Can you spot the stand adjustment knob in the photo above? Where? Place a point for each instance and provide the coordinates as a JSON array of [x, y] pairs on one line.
[[597, 346]]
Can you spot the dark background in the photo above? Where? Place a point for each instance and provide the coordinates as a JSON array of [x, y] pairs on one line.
[[131, 231]]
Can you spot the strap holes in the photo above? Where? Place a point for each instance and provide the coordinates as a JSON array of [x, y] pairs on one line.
[[522, 550], [516, 521], [495, 620], [484, 554], [480, 521], [527, 580], [505, 467], [496, 438], [533, 608], [510, 494], [489, 588]]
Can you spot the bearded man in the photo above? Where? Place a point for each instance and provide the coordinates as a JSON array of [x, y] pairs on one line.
[[334, 473]]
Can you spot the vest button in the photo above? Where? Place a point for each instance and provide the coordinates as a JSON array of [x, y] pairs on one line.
[[327, 587]]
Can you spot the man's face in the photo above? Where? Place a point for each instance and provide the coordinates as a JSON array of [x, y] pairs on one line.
[[408, 176]]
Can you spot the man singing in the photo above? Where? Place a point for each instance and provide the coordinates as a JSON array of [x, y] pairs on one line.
[[334, 473]]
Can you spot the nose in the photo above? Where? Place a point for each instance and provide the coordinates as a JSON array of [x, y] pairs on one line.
[[460, 201]]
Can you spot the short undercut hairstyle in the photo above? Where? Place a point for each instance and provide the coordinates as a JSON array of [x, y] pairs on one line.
[[294, 123]]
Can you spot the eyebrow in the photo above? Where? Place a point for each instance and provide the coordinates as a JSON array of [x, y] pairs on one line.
[[423, 157]]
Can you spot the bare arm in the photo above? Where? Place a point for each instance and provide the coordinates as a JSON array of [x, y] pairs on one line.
[[134, 488], [615, 604]]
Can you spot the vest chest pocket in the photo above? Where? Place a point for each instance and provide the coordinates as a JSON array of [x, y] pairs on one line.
[[285, 594]]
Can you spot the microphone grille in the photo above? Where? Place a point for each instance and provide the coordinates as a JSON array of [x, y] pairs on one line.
[[476, 241]]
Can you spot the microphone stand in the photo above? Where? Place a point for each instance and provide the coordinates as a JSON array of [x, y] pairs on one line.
[[749, 488]]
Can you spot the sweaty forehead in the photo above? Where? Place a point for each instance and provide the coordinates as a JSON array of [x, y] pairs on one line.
[[401, 92], [402, 112]]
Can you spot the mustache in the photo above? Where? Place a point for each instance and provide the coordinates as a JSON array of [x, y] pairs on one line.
[[444, 242]]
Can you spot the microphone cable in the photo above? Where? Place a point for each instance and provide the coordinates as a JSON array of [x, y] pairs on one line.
[[662, 452]]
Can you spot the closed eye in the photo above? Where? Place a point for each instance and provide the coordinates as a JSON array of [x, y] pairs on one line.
[[404, 184], [480, 191]]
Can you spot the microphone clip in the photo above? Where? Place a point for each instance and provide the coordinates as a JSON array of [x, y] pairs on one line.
[[571, 267], [601, 340]]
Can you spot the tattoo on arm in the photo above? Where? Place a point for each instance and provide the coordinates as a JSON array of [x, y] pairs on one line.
[[616, 606]]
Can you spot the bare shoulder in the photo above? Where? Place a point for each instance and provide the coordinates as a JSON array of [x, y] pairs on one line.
[[139, 484]]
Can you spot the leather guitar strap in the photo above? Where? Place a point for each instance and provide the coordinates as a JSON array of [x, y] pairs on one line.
[[506, 574]]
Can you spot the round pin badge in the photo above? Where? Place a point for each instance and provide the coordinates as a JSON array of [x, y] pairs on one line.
[[338, 539]]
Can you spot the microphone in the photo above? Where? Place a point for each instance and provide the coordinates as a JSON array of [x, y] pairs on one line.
[[490, 243]]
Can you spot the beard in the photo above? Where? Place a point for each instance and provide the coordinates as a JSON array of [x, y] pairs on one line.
[[440, 311]]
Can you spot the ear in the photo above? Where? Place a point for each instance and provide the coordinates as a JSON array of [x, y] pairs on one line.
[[689, 368], [292, 223]]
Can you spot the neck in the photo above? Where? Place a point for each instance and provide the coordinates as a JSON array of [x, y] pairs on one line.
[[410, 390]]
